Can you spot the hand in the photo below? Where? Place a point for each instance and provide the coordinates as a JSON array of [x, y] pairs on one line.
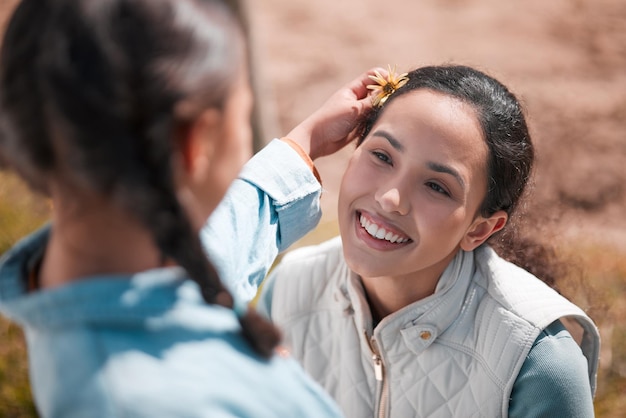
[[334, 124]]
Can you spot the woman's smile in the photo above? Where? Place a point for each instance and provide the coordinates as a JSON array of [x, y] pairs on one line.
[[378, 234]]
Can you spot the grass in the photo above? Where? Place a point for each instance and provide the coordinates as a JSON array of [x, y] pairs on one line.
[[20, 213], [15, 395], [597, 284]]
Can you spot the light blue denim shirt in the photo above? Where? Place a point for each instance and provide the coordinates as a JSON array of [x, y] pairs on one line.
[[147, 345], [273, 204]]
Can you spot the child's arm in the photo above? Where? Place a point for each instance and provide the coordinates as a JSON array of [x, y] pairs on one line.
[[275, 200]]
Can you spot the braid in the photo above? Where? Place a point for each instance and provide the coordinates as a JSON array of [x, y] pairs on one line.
[[162, 214], [154, 203]]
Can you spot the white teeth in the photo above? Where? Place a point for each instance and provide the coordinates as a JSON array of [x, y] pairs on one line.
[[380, 232], [371, 229]]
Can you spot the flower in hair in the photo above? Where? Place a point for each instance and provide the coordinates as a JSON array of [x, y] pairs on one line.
[[385, 86]]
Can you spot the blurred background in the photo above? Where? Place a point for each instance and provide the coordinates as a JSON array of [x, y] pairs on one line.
[[565, 60]]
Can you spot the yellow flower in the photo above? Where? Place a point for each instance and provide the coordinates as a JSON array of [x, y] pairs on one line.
[[384, 87]]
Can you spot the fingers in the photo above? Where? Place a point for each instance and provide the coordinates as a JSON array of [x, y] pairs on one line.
[[359, 85], [340, 119]]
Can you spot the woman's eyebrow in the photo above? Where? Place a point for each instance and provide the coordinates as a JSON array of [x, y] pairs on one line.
[[392, 141], [440, 168]]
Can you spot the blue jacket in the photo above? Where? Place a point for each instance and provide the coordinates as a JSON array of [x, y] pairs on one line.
[[147, 345]]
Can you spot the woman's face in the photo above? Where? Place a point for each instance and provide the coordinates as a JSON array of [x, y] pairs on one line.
[[412, 189]]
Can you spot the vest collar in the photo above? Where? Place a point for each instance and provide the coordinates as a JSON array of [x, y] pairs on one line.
[[421, 322]]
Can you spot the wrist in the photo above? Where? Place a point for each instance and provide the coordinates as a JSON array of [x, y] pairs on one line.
[[303, 153], [301, 136]]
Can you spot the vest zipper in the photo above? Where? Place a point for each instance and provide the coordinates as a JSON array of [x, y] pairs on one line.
[[379, 373]]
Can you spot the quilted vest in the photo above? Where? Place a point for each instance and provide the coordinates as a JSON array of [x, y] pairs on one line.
[[456, 353]]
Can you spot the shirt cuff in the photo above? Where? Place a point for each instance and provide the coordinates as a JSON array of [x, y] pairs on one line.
[[280, 171], [306, 157]]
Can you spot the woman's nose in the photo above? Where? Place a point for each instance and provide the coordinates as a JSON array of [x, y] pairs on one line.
[[391, 199]]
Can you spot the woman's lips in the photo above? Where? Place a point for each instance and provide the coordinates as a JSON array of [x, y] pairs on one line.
[[377, 235]]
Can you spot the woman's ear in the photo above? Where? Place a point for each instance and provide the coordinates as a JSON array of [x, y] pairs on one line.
[[197, 141], [482, 228]]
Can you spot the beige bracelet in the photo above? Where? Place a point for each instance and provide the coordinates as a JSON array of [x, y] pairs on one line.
[[307, 159]]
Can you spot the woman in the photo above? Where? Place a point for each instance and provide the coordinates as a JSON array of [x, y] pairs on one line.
[[411, 312]]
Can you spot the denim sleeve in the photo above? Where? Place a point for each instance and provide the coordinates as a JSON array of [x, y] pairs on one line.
[[553, 381], [273, 203]]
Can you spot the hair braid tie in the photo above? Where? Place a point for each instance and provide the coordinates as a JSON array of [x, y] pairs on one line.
[[262, 335]]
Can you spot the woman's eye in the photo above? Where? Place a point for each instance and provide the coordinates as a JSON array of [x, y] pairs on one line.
[[437, 188], [382, 157]]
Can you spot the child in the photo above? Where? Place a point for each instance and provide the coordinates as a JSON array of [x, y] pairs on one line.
[[411, 313], [133, 116]]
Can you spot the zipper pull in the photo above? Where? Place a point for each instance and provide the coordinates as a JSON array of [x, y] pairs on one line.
[[378, 367], [376, 358]]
